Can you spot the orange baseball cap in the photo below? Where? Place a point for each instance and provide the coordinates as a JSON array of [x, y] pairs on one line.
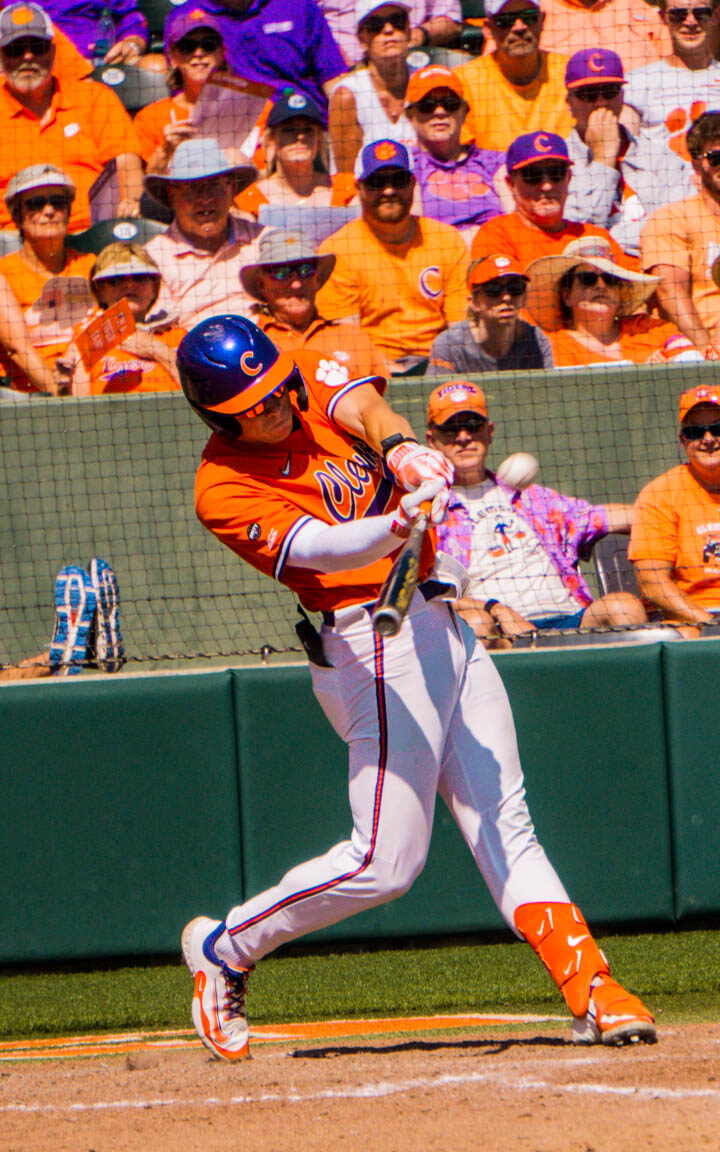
[[428, 78], [456, 396], [490, 267], [700, 394]]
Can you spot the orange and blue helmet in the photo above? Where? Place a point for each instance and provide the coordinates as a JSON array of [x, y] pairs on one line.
[[228, 369]]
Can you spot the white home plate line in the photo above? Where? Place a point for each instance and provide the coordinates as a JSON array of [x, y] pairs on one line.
[[373, 1091]]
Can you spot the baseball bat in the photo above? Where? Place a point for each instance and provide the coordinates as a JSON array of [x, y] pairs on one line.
[[397, 591]]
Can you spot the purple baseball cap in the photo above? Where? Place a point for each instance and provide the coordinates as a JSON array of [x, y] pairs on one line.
[[187, 19], [382, 154], [594, 66], [534, 147]]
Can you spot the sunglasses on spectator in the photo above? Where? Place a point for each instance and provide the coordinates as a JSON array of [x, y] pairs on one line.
[[594, 92], [505, 20], [537, 174], [428, 104], [37, 203], [494, 289], [397, 178], [259, 408], [713, 157], [17, 48], [679, 15], [697, 431], [375, 24], [305, 269], [190, 44], [468, 422], [590, 279]]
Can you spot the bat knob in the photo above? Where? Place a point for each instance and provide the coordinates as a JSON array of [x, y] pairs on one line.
[[387, 621]]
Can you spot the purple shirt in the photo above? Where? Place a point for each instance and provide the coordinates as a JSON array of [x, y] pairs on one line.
[[461, 192], [280, 43], [79, 20], [562, 524]]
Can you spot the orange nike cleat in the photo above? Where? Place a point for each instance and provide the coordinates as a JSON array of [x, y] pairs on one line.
[[218, 1008], [614, 1017]]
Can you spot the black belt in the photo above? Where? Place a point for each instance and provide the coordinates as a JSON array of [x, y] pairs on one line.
[[429, 590]]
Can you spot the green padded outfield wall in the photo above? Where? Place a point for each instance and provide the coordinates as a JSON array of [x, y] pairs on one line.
[[691, 677], [113, 476]]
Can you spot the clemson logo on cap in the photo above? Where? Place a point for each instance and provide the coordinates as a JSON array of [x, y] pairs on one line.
[[386, 150], [297, 100], [597, 247], [198, 14], [501, 261], [247, 365], [542, 144], [595, 62], [22, 16], [457, 392]]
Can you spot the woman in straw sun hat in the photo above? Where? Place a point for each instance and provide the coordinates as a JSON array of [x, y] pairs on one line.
[[588, 304]]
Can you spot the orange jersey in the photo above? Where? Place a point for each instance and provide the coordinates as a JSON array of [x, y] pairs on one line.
[[642, 340], [252, 198], [347, 343], [515, 236], [501, 111], [52, 305], [256, 497], [678, 521], [153, 118], [121, 371]]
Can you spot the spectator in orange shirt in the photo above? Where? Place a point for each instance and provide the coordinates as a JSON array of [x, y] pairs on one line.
[[298, 156], [519, 87], [402, 275], [194, 49], [286, 280], [589, 305], [145, 361], [48, 116], [675, 541], [45, 280], [538, 173]]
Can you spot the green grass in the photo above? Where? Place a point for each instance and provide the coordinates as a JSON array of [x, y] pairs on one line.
[[676, 973]]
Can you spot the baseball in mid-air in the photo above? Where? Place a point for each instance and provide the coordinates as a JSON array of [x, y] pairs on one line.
[[518, 470]]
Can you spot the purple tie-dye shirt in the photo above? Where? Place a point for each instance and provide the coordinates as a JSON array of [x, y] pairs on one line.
[[563, 525]]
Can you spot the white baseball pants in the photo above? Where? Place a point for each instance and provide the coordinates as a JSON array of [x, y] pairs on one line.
[[420, 716]]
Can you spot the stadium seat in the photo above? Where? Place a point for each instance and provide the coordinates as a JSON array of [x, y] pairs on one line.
[[135, 87], [9, 241], [316, 222], [448, 57], [155, 12], [614, 571], [127, 228], [472, 36]]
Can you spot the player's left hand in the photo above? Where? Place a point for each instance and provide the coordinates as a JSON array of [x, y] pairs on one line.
[[412, 464], [434, 491]]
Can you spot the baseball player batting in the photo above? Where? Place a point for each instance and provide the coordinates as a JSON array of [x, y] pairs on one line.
[[313, 479]]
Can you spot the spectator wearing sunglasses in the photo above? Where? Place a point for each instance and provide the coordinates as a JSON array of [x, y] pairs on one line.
[[518, 87], [493, 337], [46, 116], [618, 181], [369, 102], [664, 96], [675, 541], [433, 23], [285, 281], [45, 281], [681, 241], [458, 183], [296, 150], [589, 305], [193, 50], [632, 27], [401, 276], [520, 549], [201, 253], [538, 176], [278, 43]]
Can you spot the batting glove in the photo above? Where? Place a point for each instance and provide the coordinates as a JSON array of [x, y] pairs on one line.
[[412, 464], [436, 491]]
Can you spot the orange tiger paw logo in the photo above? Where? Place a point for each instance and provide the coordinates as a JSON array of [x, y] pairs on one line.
[[677, 123]]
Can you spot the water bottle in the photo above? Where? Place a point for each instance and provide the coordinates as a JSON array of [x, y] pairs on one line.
[[104, 37]]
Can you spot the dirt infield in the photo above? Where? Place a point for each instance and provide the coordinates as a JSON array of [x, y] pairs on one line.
[[485, 1086]]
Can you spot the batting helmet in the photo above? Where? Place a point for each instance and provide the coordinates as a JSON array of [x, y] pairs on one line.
[[228, 368]]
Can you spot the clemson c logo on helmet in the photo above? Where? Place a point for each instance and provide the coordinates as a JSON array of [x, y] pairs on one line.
[[542, 144], [247, 365]]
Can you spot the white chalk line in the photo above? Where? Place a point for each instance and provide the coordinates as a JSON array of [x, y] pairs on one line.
[[373, 1091]]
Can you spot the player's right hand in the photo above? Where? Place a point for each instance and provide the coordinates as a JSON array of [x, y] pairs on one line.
[[412, 464]]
